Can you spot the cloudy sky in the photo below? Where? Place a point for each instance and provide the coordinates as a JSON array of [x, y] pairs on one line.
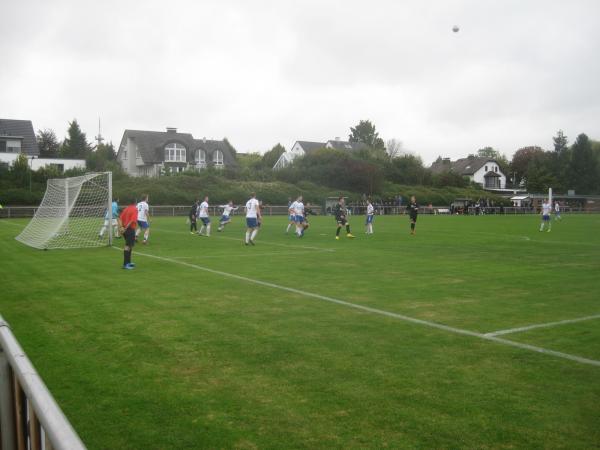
[[261, 72]]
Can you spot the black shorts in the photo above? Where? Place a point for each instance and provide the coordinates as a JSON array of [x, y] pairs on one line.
[[341, 221], [413, 218], [129, 236]]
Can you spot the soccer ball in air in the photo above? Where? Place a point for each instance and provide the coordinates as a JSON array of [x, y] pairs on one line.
[[455, 28]]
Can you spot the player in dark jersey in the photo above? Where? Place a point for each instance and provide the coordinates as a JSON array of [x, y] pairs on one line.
[[340, 213], [193, 215], [413, 210], [307, 212]]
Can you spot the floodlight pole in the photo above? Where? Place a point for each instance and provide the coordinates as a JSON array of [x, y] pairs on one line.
[[109, 213]]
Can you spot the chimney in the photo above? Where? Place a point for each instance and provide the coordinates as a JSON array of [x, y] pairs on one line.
[[204, 139], [446, 161], [171, 130]]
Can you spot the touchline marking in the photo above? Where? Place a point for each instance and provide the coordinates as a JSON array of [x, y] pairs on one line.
[[542, 325], [381, 312]]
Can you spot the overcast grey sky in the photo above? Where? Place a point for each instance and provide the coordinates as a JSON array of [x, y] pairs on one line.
[[263, 72]]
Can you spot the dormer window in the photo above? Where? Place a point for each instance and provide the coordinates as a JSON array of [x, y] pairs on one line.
[[174, 153], [217, 158]]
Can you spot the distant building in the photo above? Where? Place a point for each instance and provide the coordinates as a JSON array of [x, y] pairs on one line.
[[150, 153], [481, 170], [18, 138], [302, 148]]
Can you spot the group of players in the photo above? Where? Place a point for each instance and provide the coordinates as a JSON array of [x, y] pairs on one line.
[[136, 217]]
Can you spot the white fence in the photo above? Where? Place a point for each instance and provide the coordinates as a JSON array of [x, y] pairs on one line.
[[30, 419]]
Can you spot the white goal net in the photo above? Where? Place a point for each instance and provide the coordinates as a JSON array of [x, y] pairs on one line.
[[72, 213]]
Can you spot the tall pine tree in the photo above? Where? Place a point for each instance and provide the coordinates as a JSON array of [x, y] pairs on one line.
[[583, 167], [76, 145]]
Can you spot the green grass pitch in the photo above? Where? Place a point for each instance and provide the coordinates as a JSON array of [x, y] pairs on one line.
[[172, 355]]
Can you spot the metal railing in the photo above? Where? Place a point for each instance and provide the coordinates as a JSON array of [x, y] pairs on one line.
[[30, 419], [273, 210]]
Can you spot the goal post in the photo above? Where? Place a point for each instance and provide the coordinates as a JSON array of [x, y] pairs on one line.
[[72, 214]]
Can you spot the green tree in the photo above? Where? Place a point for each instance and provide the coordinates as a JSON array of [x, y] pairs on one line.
[[560, 142], [47, 143], [270, 158], [365, 132], [583, 167], [521, 159], [488, 152], [101, 158], [76, 145], [20, 172]]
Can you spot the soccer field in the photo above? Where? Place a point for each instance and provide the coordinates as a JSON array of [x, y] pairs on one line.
[[478, 332]]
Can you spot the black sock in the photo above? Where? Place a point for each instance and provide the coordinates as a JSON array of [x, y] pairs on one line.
[[348, 229], [128, 256], [337, 233], [412, 227], [124, 257]]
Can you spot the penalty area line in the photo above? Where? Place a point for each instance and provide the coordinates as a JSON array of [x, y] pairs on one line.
[[380, 312], [542, 325]]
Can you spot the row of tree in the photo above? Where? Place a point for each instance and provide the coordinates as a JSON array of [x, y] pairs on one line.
[[575, 166]]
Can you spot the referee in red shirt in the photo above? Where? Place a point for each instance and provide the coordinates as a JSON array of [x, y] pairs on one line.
[[127, 224]]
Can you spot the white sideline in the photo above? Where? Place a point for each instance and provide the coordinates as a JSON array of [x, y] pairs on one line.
[[381, 312], [542, 325]]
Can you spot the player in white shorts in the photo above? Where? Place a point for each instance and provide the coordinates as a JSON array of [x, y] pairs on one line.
[[252, 216], [557, 211], [143, 219], [546, 210], [203, 216], [297, 208], [110, 219], [369, 221], [291, 216], [225, 218]]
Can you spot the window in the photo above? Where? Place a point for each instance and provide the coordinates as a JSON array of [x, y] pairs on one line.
[[174, 153], [486, 168], [200, 157], [137, 153], [124, 154], [218, 158], [13, 146], [496, 169]]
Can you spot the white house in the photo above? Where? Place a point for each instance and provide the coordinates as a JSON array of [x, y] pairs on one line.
[[150, 153], [481, 170], [301, 148]]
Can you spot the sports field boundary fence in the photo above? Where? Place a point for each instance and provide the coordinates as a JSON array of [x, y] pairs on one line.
[[30, 418], [23, 212]]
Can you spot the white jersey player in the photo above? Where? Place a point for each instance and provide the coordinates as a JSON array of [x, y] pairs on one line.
[[546, 211], [369, 220], [252, 218], [298, 210], [225, 218], [203, 216], [143, 218]]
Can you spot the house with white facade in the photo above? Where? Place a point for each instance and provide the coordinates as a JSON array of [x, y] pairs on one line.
[[481, 170], [302, 148], [150, 153], [18, 138]]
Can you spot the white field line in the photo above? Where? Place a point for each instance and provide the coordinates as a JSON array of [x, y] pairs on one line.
[[542, 325], [242, 255], [381, 312]]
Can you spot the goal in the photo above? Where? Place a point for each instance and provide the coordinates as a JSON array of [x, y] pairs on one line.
[[72, 213]]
